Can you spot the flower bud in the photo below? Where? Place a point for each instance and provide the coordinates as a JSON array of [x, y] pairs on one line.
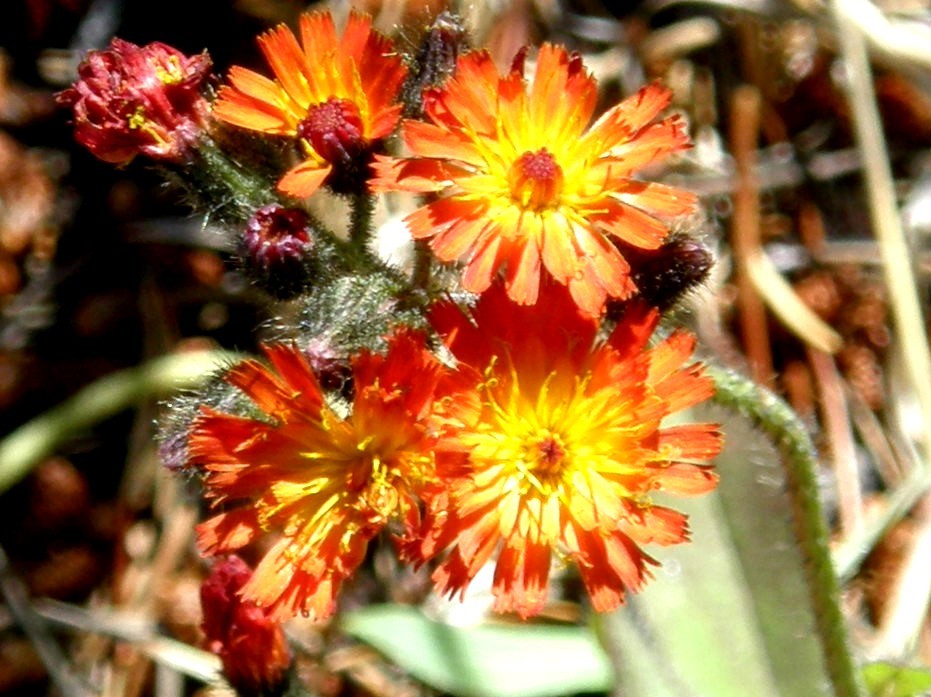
[[664, 275], [435, 61], [250, 644], [130, 100], [276, 249]]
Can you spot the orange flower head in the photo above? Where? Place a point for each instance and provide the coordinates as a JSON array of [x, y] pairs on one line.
[[336, 96], [326, 482], [560, 449], [526, 183]]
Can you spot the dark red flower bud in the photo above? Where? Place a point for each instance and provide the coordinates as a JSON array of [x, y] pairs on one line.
[[250, 644], [277, 249], [130, 100]]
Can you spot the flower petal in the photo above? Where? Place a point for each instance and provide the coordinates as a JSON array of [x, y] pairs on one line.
[[302, 180]]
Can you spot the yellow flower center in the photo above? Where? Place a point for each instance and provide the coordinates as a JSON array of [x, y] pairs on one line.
[[536, 180], [378, 497]]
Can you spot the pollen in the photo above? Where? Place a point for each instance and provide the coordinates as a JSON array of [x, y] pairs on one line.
[[536, 180], [170, 71], [137, 119]]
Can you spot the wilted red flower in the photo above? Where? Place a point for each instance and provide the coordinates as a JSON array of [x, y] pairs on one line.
[[334, 95], [131, 100], [523, 183], [560, 448], [250, 643], [327, 482]]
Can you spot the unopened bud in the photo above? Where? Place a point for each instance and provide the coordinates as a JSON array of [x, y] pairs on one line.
[[435, 62], [251, 645], [664, 275], [277, 248]]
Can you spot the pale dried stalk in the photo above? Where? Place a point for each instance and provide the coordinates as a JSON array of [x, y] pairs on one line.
[[884, 213]]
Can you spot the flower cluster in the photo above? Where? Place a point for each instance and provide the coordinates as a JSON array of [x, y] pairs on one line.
[[512, 414]]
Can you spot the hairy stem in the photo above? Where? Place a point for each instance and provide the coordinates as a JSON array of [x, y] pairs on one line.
[[780, 423], [360, 222]]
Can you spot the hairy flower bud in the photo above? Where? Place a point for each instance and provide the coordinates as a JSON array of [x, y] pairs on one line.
[[664, 275], [250, 644], [436, 58], [276, 250], [130, 100]]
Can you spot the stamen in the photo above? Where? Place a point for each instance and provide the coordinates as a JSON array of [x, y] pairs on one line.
[[536, 180]]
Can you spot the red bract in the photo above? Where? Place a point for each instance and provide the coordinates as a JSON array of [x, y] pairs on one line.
[[130, 100]]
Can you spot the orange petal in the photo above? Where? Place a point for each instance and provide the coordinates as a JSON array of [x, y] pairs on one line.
[[321, 51], [428, 140], [356, 35], [523, 272], [658, 199], [287, 61], [318, 36], [629, 224], [477, 275], [297, 374], [685, 479], [560, 102], [607, 265], [652, 144], [383, 122], [587, 293], [469, 99], [700, 442], [619, 123], [418, 176], [246, 111], [228, 531], [304, 179], [521, 578], [559, 256], [446, 214], [658, 525], [451, 244]]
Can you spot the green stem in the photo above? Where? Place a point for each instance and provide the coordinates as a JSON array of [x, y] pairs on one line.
[[780, 422], [360, 222], [35, 440], [219, 178], [423, 264]]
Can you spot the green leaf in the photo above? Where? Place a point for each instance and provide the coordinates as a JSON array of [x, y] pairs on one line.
[[490, 660], [727, 615], [887, 680]]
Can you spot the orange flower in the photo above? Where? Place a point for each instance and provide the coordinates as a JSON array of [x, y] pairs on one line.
[[327, 483], [334, 95], [526, 184], [560, 449]]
